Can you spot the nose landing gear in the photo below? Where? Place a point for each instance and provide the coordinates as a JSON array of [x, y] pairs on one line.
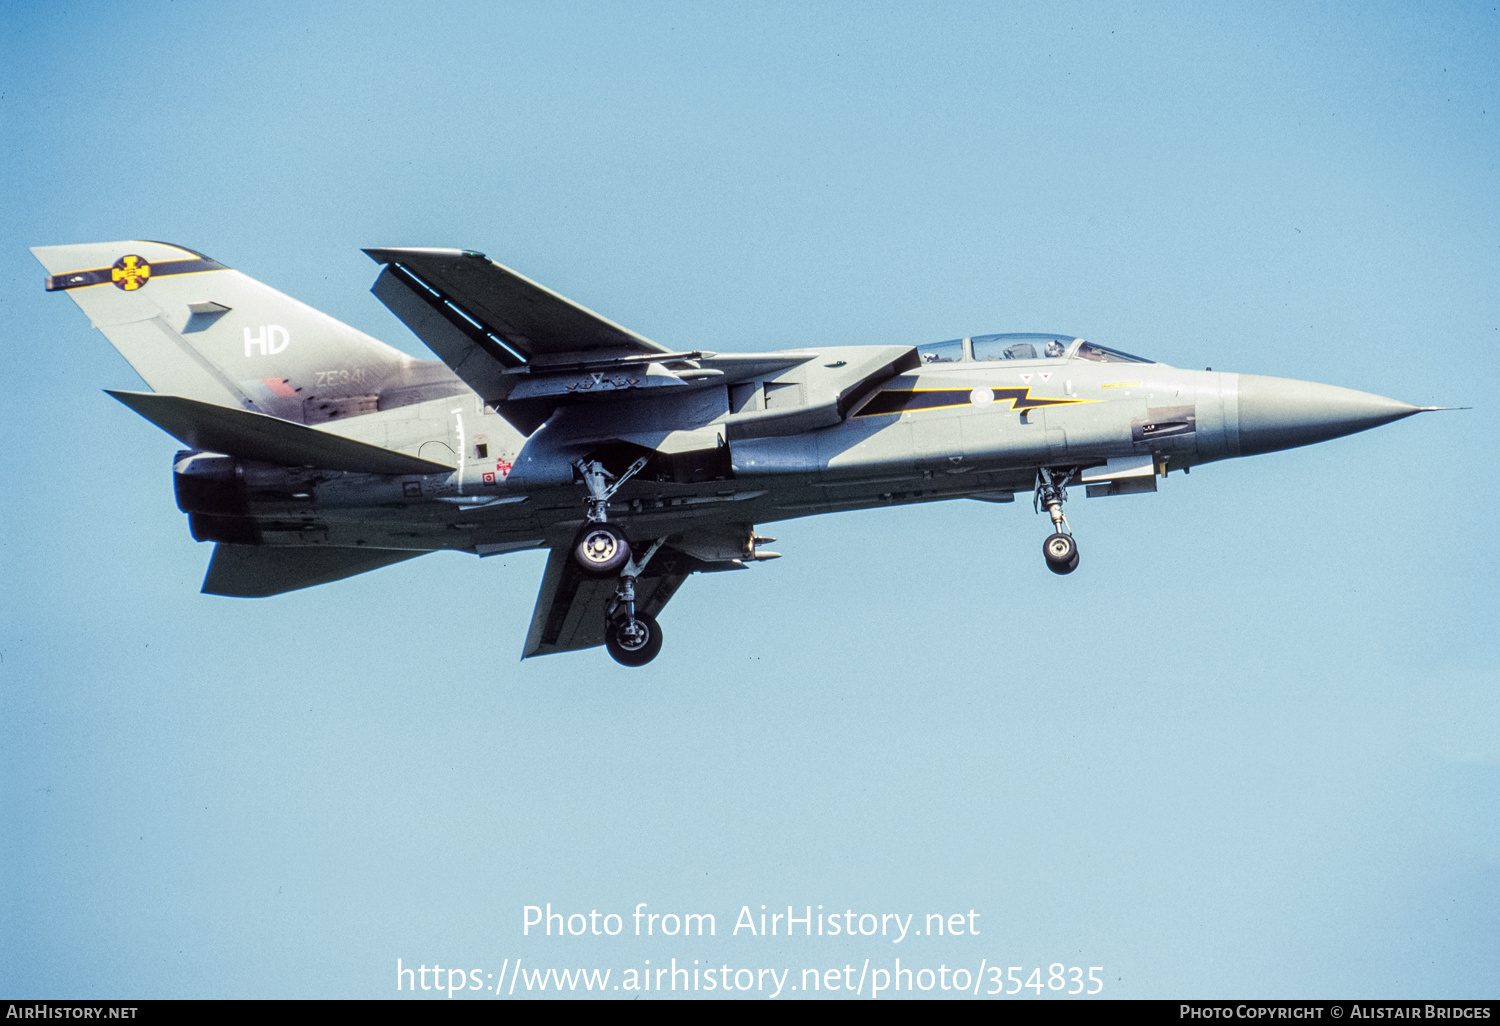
[[1060, 550]]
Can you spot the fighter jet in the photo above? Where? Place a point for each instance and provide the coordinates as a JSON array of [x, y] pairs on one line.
[[316, 452]]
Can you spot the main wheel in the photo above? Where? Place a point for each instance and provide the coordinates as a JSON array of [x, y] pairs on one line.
[[633, 644], [601, 550], [1061, 552]]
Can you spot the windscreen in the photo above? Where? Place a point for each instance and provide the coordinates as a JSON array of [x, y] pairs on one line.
[[951, 351]]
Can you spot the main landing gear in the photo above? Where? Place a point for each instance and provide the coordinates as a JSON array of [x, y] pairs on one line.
[[631, 637], [1060, 550], [601, 549]]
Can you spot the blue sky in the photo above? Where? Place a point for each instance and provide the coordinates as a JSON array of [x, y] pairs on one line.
[[1252, 747]]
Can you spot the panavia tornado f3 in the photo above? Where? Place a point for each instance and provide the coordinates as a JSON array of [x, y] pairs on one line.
[[316, 452]]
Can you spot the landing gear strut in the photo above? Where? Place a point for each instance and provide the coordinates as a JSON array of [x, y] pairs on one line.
[[601, 549], [1060, 550], [632, 638]]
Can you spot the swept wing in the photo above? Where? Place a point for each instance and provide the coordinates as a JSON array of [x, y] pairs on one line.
[[508, 316]]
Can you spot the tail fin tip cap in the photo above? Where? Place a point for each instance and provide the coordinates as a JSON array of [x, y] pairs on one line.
[[390, 254]]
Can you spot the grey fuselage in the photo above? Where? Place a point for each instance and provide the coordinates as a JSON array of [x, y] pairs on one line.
[[790, 443]]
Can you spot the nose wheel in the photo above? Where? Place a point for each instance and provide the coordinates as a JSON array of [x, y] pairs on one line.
[[1061, 553], [1060, 550]]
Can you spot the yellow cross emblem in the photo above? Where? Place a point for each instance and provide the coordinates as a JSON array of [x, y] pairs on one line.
[[130, 273]]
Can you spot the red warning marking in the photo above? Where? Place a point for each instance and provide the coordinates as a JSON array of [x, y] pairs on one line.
[[503, 467], [280, 386], [1026, 378], [489, 477], [1046, 376]]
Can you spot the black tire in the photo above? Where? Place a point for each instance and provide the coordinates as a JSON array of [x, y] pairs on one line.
[[1061, 553], [637, 650], [601, 550]]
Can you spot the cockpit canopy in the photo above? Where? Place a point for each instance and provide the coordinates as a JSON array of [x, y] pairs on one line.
[[1021, 346]]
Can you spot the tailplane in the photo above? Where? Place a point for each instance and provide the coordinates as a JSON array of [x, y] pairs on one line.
[[193, 327], [252, 571], [255, 436]]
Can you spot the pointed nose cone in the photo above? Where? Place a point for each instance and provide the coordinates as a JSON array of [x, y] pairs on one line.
[[1281, 413]]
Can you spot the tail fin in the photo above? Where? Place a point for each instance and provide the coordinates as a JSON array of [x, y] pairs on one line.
[[192, 327]]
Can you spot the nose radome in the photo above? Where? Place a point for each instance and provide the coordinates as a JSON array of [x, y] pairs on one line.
[[1282, 413]]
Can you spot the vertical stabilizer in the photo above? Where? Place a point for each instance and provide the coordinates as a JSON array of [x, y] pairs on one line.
[[192, 327]]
